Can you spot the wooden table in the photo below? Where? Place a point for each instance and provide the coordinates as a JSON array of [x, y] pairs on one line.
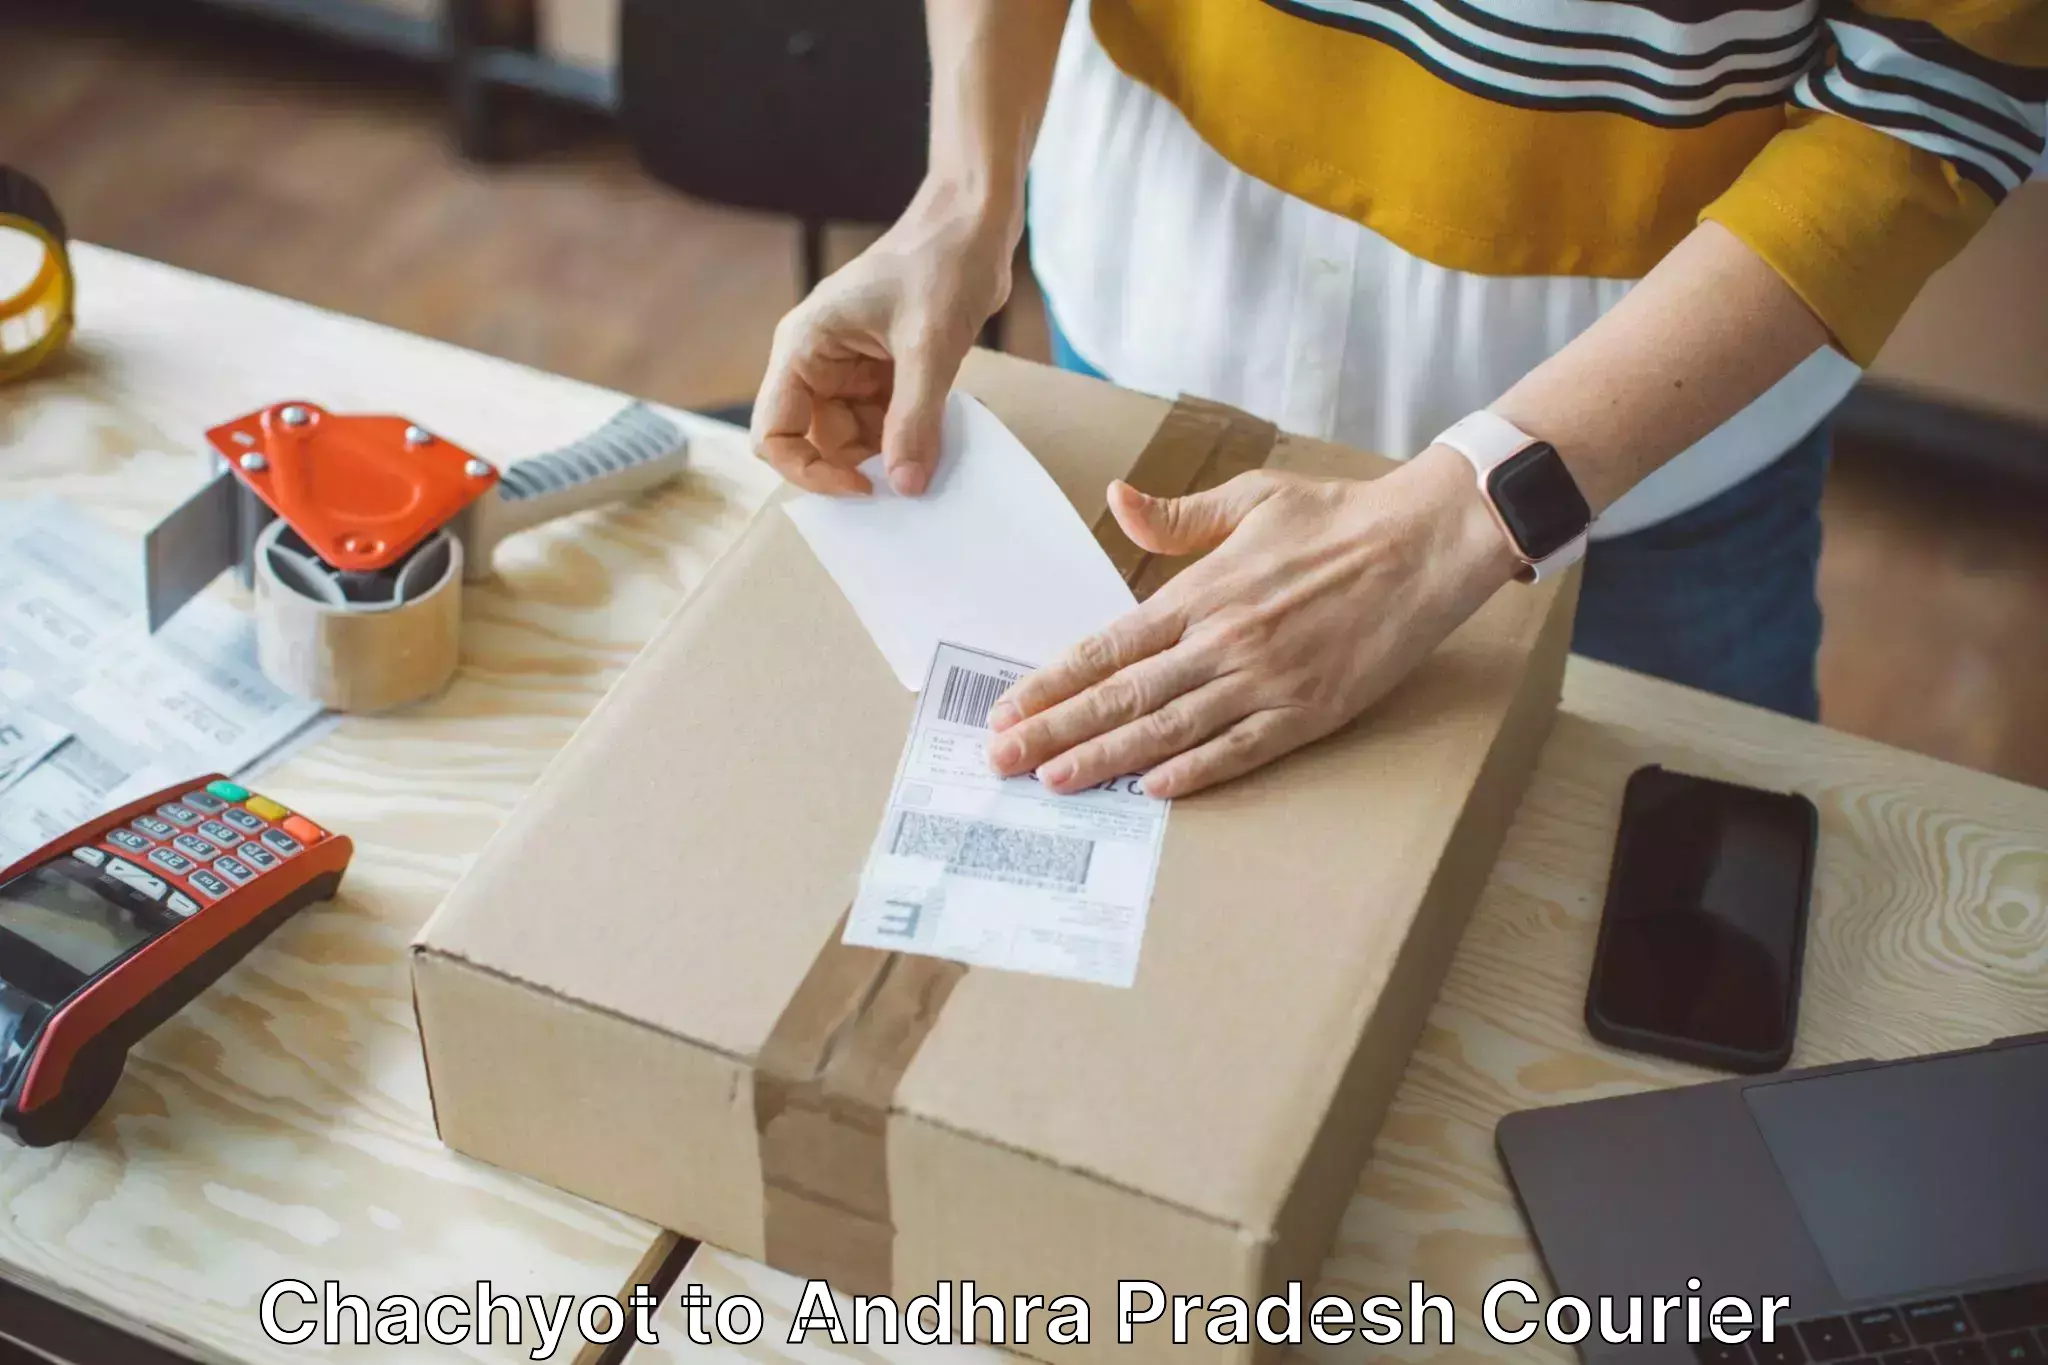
[[1929, 931], [281, 1126]]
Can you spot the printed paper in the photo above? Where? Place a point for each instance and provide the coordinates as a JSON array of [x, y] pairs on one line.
[[142, 711], [1000, 872], [26, 739], [991, 552]]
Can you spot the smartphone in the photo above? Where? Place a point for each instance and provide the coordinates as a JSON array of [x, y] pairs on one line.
[[1704, 929]]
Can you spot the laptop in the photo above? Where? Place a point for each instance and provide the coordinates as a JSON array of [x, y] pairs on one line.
[[1902, 1206]]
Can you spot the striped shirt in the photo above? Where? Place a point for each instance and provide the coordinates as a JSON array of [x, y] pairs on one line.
[[1363, 218], [1684, 65]]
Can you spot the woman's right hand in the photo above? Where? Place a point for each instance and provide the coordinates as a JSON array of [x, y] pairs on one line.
[[864, 364]]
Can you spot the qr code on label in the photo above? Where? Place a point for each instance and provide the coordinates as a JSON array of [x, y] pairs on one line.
[[976, 848]]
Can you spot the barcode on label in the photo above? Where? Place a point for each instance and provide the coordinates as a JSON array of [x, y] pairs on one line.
[[968, 695], [975, 848]]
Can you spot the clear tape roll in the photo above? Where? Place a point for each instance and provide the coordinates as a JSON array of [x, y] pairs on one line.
[[314, 641]]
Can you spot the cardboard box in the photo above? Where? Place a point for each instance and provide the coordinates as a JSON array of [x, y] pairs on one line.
[[638, 993]]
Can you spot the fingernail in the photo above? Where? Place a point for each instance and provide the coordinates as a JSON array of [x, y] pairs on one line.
[[907, 479], [1002, 715], [1056, 773], [1152, 786], [1005, 752]]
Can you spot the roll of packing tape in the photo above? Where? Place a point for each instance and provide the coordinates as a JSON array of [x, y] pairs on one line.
[[357, 642], [36, 284]]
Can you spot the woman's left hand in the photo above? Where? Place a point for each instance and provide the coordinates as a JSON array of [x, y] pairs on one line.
[[1320, 596]]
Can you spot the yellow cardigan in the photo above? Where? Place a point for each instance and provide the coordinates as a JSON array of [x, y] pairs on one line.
[[1854, 152]]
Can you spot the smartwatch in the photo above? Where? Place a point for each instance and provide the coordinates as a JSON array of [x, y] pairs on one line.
[[1534, 498]]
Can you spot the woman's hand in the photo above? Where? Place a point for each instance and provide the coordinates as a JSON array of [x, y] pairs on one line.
[[1320, 596], [864, 364]]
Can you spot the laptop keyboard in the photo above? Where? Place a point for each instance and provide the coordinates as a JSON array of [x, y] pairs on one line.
[[1995, 1327]]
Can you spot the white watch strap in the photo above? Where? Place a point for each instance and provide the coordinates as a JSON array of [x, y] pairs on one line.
[[1487, 440]]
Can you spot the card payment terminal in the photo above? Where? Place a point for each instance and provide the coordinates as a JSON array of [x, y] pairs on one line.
[[109, 931]]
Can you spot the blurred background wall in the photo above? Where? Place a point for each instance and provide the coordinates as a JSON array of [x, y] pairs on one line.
[[457, 168]]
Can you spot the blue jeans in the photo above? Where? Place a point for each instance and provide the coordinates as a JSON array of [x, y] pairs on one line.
[[1720, 597]]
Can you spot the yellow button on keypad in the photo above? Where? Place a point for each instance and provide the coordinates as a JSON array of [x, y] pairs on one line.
[[265, 807]]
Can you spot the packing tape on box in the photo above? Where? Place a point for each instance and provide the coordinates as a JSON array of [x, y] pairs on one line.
[[36, 319], [825, 1081]]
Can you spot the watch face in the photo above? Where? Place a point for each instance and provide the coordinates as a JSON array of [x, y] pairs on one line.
[[1538, 500]]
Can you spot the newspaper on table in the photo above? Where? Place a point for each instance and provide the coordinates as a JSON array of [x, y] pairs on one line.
[[26, 739], [1000, 872], [136, 712]]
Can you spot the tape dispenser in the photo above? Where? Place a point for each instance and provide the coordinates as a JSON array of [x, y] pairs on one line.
[[355, 534]]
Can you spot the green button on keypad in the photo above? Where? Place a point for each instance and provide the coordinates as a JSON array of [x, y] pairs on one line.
[[228, 791]]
